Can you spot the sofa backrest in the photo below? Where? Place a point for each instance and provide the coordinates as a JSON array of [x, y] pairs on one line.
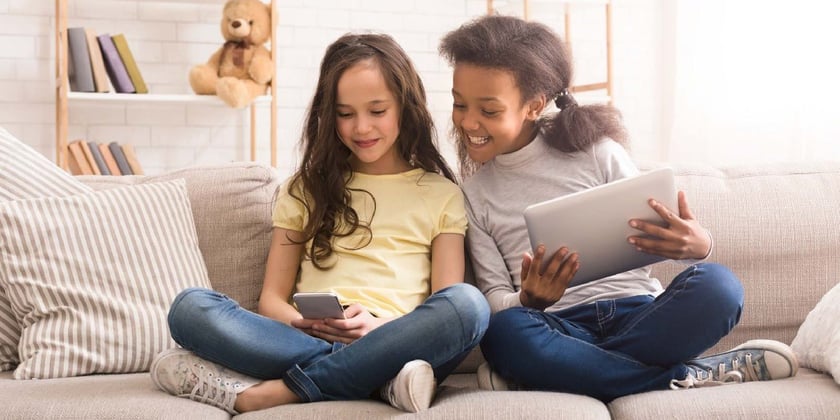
[[231, 205], [776, 226]]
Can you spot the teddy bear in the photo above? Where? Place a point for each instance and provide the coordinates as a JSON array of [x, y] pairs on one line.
[[241, 69]]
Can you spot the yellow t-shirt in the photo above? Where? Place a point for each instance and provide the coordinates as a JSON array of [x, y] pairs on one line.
[[390, 275]]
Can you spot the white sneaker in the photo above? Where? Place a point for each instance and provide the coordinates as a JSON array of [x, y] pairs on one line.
[[489, 380], [413, 388], [183, 374]]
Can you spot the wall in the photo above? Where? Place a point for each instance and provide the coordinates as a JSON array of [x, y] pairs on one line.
[[167, 38]]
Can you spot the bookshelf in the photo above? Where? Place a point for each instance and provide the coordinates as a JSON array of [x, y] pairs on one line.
[[64, 97], [568, 6]]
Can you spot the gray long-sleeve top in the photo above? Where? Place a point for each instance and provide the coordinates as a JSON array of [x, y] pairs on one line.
[[497, 237]]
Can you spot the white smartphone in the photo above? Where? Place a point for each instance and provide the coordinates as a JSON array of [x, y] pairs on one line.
[[315, 305]]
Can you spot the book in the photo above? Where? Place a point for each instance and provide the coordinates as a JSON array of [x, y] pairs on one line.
[[114, 65], [109, 159], [119, 157], [129, 63], [128, 150], [97, 64], [80, 74], [98, 159], [89, 156], [77, 160]]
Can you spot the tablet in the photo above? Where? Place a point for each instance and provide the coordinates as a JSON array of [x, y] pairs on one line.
[[594, 223]]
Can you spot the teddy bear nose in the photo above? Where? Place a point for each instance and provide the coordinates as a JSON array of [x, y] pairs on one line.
[[236, 24]]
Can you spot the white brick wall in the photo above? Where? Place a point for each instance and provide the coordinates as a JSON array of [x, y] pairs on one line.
[[167, 38]]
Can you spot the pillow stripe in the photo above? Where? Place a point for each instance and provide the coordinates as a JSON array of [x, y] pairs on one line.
[[25, 173], [9, 333], [19, 179], [91, 277]]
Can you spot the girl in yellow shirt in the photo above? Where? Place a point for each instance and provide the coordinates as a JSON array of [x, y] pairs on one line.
[[373, 214]]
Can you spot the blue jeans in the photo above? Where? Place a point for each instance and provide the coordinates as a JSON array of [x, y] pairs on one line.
[[613, 348], [441, 331]]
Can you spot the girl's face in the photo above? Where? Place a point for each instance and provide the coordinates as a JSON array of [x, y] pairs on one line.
[[489, 112], [367, 120]]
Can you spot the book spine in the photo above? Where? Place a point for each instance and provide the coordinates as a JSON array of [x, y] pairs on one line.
[[97, 64], [119, 157], [114, 65], [131, 157], [109, 159], [130, 65], [89, 156], [81, 166], [97, 157], [81, 77]]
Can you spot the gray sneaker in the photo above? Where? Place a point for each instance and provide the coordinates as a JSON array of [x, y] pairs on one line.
[[183, 374], [489, 380], [755, 360], [413, 388]]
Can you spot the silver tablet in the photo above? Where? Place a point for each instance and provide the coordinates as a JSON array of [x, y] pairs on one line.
[[594, 223]]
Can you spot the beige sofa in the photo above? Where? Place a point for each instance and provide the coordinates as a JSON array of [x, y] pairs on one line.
[[776, 226]]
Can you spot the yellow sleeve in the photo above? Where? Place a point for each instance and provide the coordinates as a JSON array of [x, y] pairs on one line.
[[289, 212], [453, 216]]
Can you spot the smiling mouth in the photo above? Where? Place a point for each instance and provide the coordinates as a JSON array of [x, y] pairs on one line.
[[478, 140], [365, 143]]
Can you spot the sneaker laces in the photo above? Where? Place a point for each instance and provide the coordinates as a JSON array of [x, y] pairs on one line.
[[700, 378], [748, 368], [214, 390]]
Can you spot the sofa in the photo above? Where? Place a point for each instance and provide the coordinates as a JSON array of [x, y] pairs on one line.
[[776, 225]]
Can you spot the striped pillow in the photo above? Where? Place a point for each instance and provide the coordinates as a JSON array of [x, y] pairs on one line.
[[25, 173], [91, 276]]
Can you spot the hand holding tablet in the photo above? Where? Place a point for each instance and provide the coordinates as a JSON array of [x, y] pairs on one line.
[[594, 223]]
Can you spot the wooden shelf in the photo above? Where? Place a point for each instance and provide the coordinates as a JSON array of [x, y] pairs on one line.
[[568, 6], [154, 97], [63, 96]]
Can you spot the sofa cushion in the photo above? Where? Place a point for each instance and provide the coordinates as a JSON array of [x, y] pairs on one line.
[[776, 226], [91, 276], [231, 205], [808, 395], [457, 398], [120, 396], [817, 343], [25, 173]]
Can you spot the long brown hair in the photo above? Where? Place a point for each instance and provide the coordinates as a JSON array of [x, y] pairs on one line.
[[325, 171], [541, 65]]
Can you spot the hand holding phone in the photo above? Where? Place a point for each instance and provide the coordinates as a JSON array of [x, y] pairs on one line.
[[317, 305]]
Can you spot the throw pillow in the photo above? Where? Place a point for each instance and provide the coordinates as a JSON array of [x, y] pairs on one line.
[[25, 173], [817, 343], [91, 276]]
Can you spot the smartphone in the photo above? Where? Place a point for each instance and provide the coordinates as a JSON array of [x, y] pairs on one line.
[[315, 305]]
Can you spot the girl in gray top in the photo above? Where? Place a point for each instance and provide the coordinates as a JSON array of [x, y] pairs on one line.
[[607, 338]]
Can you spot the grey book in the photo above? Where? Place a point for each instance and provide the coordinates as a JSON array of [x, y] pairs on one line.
[[114, 65], [119, 156], [80, 72], [98, 159]]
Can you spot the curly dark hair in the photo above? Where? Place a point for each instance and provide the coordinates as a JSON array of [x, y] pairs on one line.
[[321, 181], [541, 64]]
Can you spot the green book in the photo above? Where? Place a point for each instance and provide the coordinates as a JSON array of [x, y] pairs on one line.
[[130, 64]]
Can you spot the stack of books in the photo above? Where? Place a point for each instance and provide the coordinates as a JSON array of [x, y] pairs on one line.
[[91, 158], [94, 59]]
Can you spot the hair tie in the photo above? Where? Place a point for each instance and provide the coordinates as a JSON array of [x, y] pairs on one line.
[[564, 100]]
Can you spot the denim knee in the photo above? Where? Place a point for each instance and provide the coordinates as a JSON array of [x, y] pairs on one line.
[[188, 306], [503, 328], [722, 285], [470, 305]]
